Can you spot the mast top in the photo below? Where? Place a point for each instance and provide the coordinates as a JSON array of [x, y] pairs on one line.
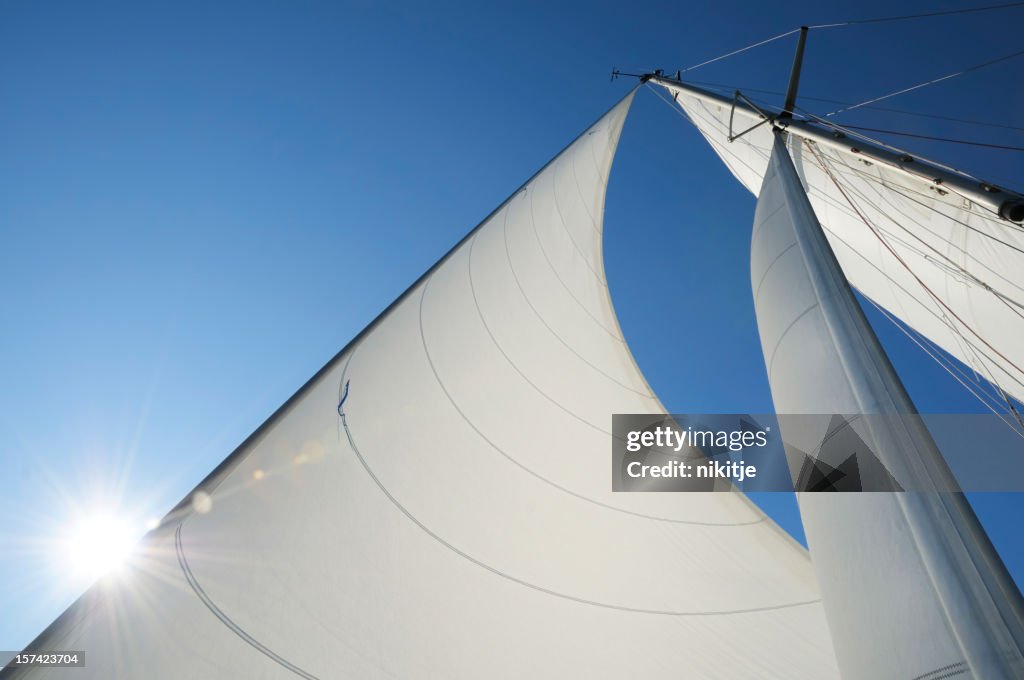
[[794, 75]]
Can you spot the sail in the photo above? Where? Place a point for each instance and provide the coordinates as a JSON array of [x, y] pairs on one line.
[[436, 501], [947, 266], [911, 585]]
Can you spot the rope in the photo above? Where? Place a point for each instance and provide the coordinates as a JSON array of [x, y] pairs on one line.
[[938, 139], [949, 368], [927, 83], [880, 20], [1011, 409], [742, 49], [723, 87], [910, 271]]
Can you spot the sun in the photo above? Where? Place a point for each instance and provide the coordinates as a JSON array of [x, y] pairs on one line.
[[98, 545]]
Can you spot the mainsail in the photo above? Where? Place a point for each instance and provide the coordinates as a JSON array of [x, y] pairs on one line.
[[945, 262], [436, 501]]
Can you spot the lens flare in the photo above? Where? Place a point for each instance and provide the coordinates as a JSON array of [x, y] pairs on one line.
[[98, 545]]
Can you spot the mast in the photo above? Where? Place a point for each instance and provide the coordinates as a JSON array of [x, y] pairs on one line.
[[906, 577], [963, 612], [794, 75], [1008, 204]]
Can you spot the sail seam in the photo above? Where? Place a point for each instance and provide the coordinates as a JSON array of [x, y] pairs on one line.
[[530, 471], [533, 586], [547, 258], [526, 298], [224, 618], [565, 226], [583, 200], [782, 336], [768, 269]]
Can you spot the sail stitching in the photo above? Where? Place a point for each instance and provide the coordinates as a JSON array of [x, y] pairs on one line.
[[530, 471], [782, 336], [768, 269], [224, 618], [583, 200], [533, 586], [543, 321], [565, 226], [558, 276]]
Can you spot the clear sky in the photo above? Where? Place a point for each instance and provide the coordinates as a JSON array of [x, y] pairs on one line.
[[200, 203]]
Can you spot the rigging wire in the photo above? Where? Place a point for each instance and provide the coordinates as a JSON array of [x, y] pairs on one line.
[[933, 81], [880, 20], [968, 276], [853, 22], [949, 367], [732, 88], [742, 49], [890, 147], [917, 278], [950, 140], [991, 379], [875, 230]]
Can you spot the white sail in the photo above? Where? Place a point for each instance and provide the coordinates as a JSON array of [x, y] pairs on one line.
[[947, 266], [436, 502], [912, 587]]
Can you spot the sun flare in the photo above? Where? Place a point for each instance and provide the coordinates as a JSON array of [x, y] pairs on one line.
[[98, 545]]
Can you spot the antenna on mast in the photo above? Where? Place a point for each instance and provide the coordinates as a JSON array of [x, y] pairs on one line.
[[794, 75]]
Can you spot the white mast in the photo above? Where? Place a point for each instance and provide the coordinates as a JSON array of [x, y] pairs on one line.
[[912, 587], [911, 584]]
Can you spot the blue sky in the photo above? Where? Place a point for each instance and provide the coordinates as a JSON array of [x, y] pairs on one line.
[[199, 204]]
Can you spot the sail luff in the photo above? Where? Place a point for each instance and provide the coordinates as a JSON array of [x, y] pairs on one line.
[[823, 357]]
